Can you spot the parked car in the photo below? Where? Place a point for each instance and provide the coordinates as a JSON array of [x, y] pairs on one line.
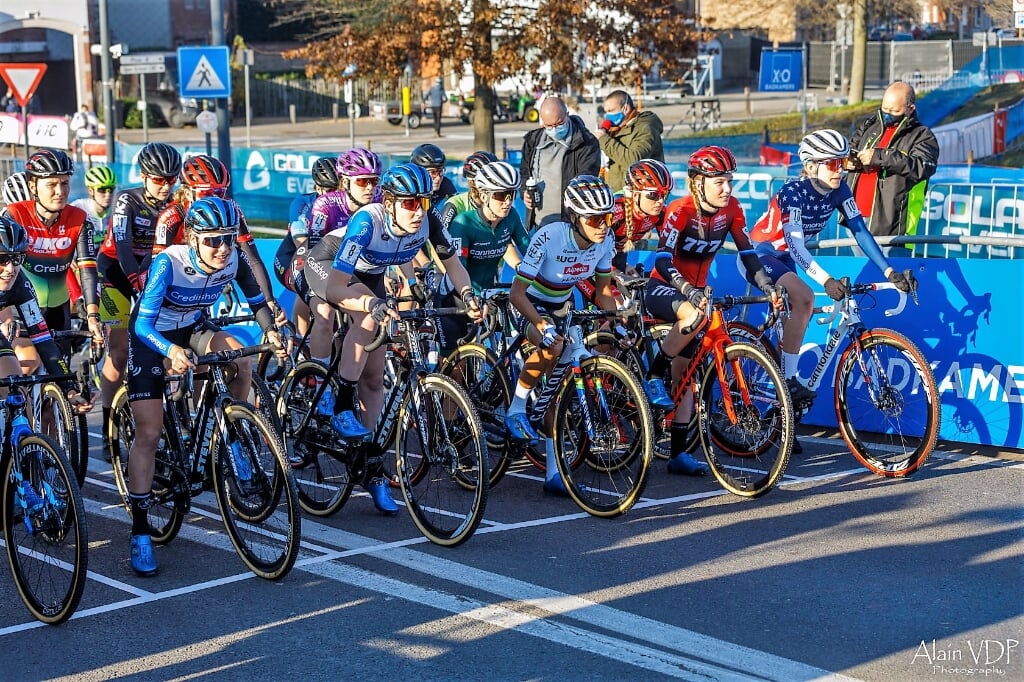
[[171, 109], [392, 113]]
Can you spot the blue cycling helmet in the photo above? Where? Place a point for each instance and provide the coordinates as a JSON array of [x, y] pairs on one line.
[[407, 180], [213, 214]]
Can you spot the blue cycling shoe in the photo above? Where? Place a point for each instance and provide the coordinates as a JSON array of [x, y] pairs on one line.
[[519, 427], [657, 396], [143, 561], [553, 485], [326, 405], [685, 463], [380, 493], [349, 427]]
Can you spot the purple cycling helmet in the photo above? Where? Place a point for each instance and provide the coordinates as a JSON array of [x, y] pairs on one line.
[[358, 161]]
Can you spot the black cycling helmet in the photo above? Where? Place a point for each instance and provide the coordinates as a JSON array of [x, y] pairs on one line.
[[160, 160], [13, 237], [475, 161], [325, 173], [428, 156], [47, 163]]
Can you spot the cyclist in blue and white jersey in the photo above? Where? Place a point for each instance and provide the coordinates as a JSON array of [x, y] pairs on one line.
[[377, 237], [798, 212], [169, 321]]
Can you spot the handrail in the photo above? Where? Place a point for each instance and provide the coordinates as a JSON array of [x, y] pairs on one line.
[[965, 239]]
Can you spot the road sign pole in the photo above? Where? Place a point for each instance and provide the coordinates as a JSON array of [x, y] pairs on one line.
[[105, 75], [223, 124], [24, 128], [144, 109]]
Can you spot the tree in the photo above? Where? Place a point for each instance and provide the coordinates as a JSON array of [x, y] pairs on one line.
[[619, 40]]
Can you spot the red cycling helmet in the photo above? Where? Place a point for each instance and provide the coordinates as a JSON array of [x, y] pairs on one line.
[[711, 162], [204, 173], [649, 174]]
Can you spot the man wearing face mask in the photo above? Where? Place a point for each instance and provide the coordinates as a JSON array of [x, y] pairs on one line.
[[897, 155], [553, 154], [627, 135]]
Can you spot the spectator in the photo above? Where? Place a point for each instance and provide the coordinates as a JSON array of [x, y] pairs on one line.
[[435, 100], [627, 135], [897, 154], [8, 103], [553, 154], [84, 124]]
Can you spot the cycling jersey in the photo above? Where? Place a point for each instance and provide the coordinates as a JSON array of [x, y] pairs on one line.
[[690, 239], [99, 222], [170, 227], [128, 247], [554, 262], [329, 212], [178, 292], [22, 297], [52, 249], [454, 205], [639, 226], [298, 227], [368, 247], [798, 212], [482, 248], [299, 214]]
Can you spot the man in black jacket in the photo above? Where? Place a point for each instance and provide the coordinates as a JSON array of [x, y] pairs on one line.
[[553, 154], [895, 156]]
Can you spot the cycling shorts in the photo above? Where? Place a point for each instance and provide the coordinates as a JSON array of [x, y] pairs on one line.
[[146, 368]]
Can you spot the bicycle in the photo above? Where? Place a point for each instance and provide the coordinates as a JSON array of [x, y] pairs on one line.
[[886, 398], [439, 449], [45, 529], [70, 428], [226, 446], [591, 405]]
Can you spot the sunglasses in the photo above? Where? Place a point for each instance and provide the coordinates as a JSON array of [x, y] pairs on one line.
[[163, 182], [103, 190], [833, 164], [210, 192], [413, 204], [503, 196], [654, 195], [596, 221], [435, 172], [11, 259], [368, 181], [554, 125], [218, 241]]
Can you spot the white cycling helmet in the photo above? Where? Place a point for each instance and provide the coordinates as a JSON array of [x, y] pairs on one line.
[[497, 176], [588, 195], [822, 145], [16, 188]]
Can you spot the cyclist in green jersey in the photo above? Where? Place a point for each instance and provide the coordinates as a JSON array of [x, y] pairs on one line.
[[462, 202]]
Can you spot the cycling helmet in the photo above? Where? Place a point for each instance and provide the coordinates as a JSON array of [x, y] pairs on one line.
[[407, 180], [428, 156], [822, 145], [13, 237], [100, 176], [47, 163], [16, 188], [160, 160], [497, 176], [213, 214], [204, 173], [711, 162], [588, 195], [649, 174], [358, 161], [474, 161], [324, 172]]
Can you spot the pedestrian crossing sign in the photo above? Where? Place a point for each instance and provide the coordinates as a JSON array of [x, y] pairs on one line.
[[204, 72]]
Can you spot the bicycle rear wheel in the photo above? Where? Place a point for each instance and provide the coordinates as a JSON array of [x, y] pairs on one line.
[[47, 547], [66, 427], [604, 466], [748, 454], [256, 493], [323, 479], [440, 439], [474, 368], [887, 403]]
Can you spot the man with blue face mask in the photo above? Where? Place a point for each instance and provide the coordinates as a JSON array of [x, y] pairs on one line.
[[553, 154], [895, 156], [627, 135]]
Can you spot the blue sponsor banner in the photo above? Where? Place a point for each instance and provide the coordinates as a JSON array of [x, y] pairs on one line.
[[781, 70]]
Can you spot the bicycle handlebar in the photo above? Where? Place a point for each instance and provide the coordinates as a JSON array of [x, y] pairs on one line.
[[228, 320], [31, 379], [833, 309]]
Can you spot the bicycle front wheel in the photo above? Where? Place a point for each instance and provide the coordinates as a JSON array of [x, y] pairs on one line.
[[887, 403], [439, 439], [746, 421], [66, 427], [256, 493], [47, 544], [603, 437]]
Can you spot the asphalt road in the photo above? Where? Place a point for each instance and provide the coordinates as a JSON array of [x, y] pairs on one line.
[[837, 574]]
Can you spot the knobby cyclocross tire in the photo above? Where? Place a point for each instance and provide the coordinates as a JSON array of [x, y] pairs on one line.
[[260, 506], [887, 403], [323, 479], [474, 368], [748, 456], [439, 438], [604, 476], [744, 331], [49, 562], [69, 429]]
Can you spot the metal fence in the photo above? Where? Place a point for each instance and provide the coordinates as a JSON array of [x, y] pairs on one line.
[[314, 97]]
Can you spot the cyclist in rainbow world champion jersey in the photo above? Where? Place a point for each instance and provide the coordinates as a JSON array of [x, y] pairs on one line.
[[798, 212], [169, 321]]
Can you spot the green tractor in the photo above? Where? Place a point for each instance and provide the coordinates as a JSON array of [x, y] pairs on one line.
[[511, 108]]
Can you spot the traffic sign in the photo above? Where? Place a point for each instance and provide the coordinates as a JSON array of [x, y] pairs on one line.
[[1018, 19], [22, 79], [204, 72], [206, 121], [152, 58], [781, 71], [1018, 5], [130, 69]]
